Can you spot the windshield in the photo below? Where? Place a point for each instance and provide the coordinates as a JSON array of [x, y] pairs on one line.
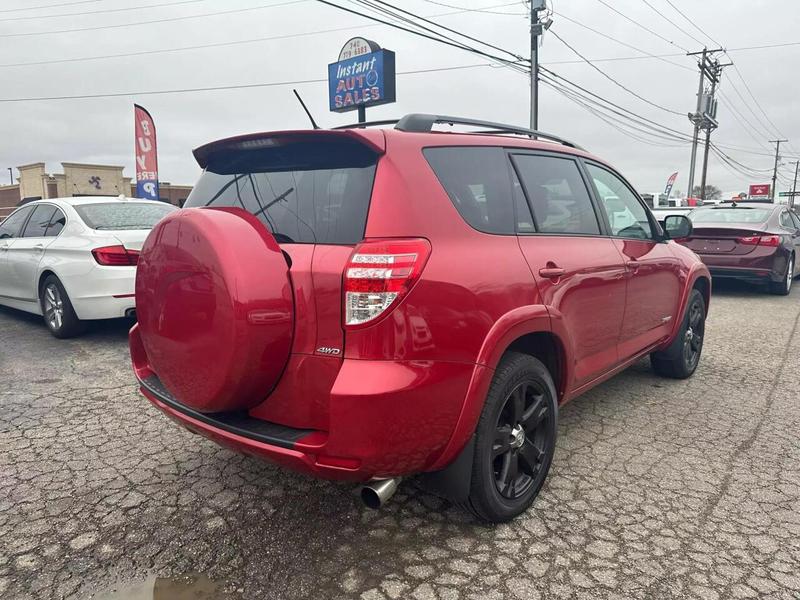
[[123, 215], [730, 215], [303, 193]]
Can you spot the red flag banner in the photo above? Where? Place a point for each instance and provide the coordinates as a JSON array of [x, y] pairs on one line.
[[146, 154]]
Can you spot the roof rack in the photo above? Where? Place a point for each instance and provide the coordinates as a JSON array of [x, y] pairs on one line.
[[421, 123]]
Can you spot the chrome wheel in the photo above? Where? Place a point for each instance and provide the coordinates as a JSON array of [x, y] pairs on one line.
[[521, 440], [693, 338], [789, 274], [53, 306]]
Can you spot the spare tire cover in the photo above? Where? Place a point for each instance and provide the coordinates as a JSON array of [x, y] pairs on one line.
[[215, 308]]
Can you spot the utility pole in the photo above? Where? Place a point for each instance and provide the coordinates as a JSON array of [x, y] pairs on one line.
[[537, 29], [794, 186], [699, 118], [775, 169], [711, 122]]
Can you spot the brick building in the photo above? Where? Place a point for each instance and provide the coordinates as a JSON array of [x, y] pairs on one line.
[[77, 179]]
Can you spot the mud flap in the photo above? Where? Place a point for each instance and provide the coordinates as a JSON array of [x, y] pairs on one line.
[[454, 481]]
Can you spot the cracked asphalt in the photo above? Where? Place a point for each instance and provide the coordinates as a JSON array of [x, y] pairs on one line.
[[659, 488]]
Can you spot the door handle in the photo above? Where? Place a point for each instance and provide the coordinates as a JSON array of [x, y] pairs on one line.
[[39, 247], [552, 272], [633, 265]]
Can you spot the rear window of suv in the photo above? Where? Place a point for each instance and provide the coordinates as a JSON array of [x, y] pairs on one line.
[[303, 192]]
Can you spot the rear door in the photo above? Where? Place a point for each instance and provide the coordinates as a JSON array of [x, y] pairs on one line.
[[653, 271], [579, 272], [10, 230], [26, 252], [312, 193]]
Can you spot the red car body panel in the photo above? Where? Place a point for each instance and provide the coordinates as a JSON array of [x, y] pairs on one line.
[[404, 394]]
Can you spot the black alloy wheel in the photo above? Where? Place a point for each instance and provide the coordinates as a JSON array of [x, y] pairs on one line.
[[693, 336], [514, 440], [521, 436], [680, 359]]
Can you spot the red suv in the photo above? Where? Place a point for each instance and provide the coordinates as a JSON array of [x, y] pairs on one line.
[[363, 304]]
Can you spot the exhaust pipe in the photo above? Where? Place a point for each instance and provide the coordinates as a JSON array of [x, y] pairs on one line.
[[377, 493]]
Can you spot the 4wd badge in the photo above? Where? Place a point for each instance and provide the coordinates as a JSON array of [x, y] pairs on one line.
[[328, 350]]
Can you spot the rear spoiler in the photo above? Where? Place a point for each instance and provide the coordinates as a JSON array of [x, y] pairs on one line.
[[374, 139]]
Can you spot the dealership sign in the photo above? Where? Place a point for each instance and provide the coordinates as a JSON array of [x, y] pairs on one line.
[[759, 190], [363, 76]]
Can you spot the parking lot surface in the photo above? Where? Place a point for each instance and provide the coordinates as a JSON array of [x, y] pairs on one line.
[[659, 488]]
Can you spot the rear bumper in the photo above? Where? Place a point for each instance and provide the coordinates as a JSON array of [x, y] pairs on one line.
[[760, 266], [103, 293], [384, 419]]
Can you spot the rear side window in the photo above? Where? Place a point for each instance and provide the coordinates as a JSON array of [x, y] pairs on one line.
[[40, 219], [796, 220], [786, 220], [57, 222], [558, 195], [478, 181], [11, 226], [303, 192], [123, 214]]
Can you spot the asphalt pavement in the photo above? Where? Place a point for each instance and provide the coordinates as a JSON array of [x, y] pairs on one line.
[[659, 489]]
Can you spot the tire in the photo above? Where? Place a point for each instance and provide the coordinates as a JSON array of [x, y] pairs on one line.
[[509, 467], [783, 287], [59, 316], [680, 359]]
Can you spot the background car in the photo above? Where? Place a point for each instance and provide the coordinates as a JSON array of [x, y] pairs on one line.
[[756, 242], [74, 259]]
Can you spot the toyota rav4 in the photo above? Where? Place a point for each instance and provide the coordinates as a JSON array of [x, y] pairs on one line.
[[366, 303]]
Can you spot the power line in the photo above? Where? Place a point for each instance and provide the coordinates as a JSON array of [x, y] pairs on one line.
[[614, 81], [627, 45], [647, 29], [673, 23], [209, 45], [164, 20], [105, 10], [8, 10], [418, 33], [223, 87], [693, 24], [464, 35], [477, 10]]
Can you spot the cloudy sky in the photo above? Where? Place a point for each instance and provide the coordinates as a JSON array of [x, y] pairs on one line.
[[40, 57]]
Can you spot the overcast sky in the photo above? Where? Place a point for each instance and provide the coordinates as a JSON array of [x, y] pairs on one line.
[[100, 130]]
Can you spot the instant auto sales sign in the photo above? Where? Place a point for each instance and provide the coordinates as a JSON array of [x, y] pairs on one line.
[[366, 79]]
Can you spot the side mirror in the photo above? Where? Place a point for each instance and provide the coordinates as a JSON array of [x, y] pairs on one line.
[[677, 227]]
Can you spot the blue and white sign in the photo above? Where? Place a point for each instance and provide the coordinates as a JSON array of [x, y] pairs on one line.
[[366, 79]]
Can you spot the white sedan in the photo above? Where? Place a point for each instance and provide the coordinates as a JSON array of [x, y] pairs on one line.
[[74, 259]]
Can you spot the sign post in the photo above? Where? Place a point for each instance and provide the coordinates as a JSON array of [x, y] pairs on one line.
[[363, 76]]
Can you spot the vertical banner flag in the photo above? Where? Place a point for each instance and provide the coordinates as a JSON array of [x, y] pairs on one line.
[[146, 154], [670, 183]]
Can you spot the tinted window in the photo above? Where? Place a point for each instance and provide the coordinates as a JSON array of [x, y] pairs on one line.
[[478, 181], [627, 217], [57, 222], [558, 194], [303, 192], [11, 226], [796, 220], [39, 221], [786, 220], [742, 214], [123, 215]]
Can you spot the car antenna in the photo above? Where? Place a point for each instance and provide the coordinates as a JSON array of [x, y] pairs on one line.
[[305, 108]]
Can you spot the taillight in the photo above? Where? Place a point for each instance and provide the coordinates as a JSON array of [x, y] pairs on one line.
[[116, 256], [378, 275], [761, 240]]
